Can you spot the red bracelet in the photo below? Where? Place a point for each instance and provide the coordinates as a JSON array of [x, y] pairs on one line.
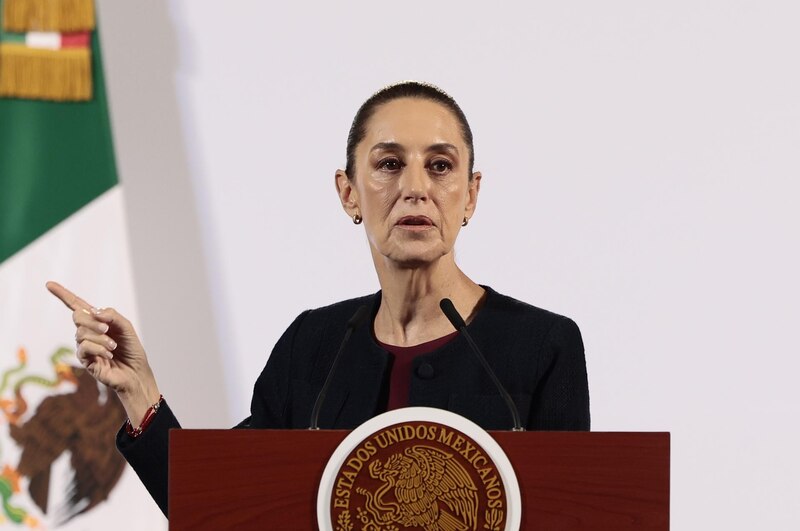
[[149, 415]]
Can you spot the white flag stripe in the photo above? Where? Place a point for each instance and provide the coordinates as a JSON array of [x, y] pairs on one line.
[[43, 39], [88, 253]]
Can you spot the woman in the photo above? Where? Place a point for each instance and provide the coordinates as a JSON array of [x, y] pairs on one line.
[[409, 179]]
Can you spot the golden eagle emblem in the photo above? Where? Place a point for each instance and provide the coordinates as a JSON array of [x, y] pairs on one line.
[[431, 491], [80, 423]]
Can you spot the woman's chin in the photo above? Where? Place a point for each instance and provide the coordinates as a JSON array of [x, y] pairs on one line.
[[415, 258]]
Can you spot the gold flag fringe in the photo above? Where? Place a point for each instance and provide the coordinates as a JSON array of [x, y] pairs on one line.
[[34, 73], [48, 15]]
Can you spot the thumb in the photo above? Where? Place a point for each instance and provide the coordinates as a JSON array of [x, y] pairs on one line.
[[111, 316]]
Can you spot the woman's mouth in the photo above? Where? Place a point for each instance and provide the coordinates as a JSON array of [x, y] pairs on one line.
[[414, 223]]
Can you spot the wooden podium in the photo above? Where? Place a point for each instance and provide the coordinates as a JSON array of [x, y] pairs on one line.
[[267, 479]]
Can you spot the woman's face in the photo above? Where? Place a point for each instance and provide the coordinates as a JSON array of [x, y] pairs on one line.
[[411, 183]]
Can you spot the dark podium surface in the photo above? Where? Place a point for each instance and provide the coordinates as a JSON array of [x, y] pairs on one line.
[[267, 479]]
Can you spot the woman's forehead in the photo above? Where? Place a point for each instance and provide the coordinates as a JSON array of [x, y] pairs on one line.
[[412, 121]]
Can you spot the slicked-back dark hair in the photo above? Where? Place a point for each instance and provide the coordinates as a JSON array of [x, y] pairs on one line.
[[404, 89]]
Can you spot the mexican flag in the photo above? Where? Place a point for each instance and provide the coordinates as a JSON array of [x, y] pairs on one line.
[[62, 217]]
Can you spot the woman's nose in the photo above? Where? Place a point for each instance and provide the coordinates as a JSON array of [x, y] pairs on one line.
[[414, 183]]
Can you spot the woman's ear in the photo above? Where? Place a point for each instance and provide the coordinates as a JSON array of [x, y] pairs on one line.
[[348, 195], [472, 194]]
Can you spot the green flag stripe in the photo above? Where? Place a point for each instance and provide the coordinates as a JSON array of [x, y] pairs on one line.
[[54, 159], [18, 38]]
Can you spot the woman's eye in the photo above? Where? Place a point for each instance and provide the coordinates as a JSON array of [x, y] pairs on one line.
[[390, 164], [440, 166]]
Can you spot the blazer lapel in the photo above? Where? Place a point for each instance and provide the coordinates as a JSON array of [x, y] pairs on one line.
[[361, 375]]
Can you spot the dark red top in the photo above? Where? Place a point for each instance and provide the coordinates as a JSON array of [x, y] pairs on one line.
[[400, 382]]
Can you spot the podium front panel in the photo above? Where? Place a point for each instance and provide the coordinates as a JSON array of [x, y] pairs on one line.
[[268, 479]]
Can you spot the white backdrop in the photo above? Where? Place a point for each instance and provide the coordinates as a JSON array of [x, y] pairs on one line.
[[640, 165]]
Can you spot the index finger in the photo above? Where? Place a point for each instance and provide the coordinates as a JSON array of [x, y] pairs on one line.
[[72, 301]]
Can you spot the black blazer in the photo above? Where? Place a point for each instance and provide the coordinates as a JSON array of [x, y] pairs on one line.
[[536, 354]]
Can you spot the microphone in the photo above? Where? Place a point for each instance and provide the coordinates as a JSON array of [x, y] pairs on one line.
[[353, 323], [458, 323]]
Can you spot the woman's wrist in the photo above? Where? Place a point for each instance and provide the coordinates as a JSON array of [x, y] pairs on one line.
[[139, 400], [149, 416]]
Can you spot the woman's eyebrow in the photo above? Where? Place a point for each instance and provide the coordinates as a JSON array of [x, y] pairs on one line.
[[387, 146], [443, 147]]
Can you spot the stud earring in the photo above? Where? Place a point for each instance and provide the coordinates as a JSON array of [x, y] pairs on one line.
[[357, 219], [465, 222]]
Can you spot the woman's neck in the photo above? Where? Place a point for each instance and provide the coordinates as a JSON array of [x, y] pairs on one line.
[[409, 313]]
